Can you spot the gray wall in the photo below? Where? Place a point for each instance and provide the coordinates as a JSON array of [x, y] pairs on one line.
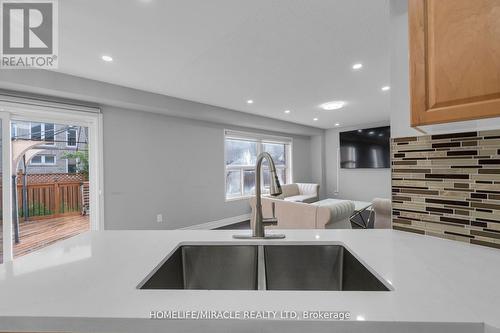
[[141, 176], [318, 173], [156, 164], [167, 156], [354, 184]]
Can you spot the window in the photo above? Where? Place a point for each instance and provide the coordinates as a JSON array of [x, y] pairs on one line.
[[43, 160], [21, 130], [13, 130], [36, 160], [43, 132], [71, 137], [71, 166], [241, 151], [48, 132], [49, 159], [36, 132]]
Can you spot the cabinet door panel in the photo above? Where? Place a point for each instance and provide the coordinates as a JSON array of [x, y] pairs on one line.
[[454, 60]]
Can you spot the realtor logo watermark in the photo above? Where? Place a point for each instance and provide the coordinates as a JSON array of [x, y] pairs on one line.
[[29, 34]]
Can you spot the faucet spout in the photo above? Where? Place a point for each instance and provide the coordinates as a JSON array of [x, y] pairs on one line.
[[274, 189]]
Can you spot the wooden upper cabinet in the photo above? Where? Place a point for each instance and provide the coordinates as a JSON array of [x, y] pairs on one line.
[[454, 60]]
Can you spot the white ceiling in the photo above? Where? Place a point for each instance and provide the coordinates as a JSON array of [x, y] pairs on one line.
[[283, 54]]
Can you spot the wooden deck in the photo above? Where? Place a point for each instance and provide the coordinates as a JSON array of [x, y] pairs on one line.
[[37, 234]]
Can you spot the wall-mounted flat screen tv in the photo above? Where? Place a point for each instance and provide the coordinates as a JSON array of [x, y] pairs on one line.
[[365, 148]]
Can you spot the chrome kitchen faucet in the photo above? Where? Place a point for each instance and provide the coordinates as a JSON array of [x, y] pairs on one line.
[[275, 190]]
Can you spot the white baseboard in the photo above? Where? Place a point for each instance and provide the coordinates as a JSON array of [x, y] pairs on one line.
[[219, 223]]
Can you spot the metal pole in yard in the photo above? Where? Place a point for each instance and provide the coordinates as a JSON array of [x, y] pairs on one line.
[[25, 191]]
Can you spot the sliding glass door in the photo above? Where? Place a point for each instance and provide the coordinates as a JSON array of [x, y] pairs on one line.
[[1, 211], [51, 176]]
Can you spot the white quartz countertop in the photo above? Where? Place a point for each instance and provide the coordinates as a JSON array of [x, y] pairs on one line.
[[95, 275]]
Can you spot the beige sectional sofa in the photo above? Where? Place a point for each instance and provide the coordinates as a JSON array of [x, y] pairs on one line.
[[298, 215], [300, 192]]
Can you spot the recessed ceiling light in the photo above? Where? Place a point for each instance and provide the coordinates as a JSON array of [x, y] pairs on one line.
[[381, 134], [107, 58], [250, 101], [371, 132], [333, 105], [337, 124], [315, 119], [357, 66], [360, 130], [287, 111], [386, 88]]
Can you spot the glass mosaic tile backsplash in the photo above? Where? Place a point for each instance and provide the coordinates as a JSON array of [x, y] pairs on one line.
[[448, 186]]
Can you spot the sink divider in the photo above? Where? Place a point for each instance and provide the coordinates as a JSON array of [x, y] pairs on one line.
[[341, 267], [261, 269]]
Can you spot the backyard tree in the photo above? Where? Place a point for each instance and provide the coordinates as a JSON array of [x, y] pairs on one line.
[[82, 161]]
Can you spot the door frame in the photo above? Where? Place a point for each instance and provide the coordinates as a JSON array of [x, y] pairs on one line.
[[8, 245], [21, 109]]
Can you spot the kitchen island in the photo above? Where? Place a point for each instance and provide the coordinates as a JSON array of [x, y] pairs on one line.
[[89, 283]]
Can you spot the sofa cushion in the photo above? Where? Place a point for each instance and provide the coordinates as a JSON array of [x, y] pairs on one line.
[[301, 198], [308, 189], [341, 211], [289, 190]]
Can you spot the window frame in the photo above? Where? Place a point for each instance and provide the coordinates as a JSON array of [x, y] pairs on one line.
[[260, 139]]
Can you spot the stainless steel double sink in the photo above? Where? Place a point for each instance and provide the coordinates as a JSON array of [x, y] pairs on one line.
[[262, 267]]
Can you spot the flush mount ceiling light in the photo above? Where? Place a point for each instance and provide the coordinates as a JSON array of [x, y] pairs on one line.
[[337, 124], [315, 119], [333, 105], [386, 88], [107, 58], [357, 66], [287, 111], [250, 101]]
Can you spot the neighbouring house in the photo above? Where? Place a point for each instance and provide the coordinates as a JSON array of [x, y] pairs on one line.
[[55, 142]]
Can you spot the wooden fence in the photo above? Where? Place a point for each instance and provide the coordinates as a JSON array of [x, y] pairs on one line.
[[48, 196], [44, 178], [50, 200]]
